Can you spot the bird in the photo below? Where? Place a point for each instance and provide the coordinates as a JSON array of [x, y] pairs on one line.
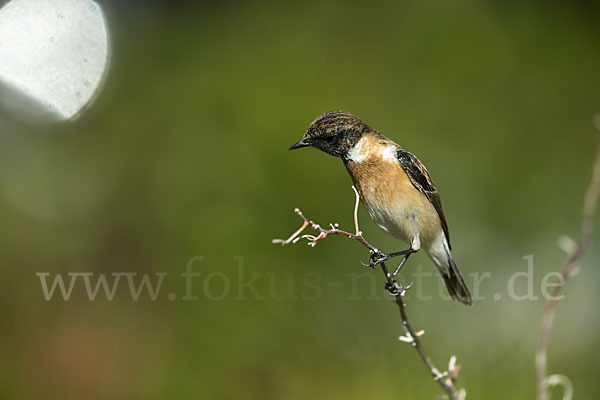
[[396, 190]]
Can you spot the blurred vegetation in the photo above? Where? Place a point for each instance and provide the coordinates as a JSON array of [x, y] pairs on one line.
[[185, 154]]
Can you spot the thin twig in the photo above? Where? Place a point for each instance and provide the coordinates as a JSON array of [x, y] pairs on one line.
[[587, 228], [323, 233], [446, 379], [356, 203]]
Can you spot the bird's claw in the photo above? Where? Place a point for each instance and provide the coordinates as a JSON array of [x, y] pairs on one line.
[[393, 288], [396, 289], [376, 258]]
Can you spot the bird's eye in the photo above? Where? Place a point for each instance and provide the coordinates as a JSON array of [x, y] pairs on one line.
[[329, 139]]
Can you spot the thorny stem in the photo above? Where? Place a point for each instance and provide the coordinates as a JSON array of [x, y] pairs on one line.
[[446, 379], [587, 227]]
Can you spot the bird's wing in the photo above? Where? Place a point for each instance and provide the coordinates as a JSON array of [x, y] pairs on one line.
[[421, 180]]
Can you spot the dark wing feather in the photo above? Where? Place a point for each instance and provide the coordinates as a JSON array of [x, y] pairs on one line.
[[421, 180]]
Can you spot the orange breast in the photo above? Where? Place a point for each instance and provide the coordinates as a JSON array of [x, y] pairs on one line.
[[391, 199]]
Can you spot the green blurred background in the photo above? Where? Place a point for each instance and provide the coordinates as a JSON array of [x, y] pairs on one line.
[[184, 154]]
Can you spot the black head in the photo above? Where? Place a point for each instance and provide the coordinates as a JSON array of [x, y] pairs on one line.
[[334, 132]]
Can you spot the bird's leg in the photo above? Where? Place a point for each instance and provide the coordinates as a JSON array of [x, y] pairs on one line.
[[399, 267], [377, 257], [391, 285]]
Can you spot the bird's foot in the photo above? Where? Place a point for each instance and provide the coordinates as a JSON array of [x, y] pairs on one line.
[[395, 289], [376, 258]]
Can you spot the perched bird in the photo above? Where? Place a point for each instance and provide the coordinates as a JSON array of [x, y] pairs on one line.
[[394, 187]]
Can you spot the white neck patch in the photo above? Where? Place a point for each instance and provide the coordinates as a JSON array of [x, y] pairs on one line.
[[358, 153], [388, 153], [365, 148]]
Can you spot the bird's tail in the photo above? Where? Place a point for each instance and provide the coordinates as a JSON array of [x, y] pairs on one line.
[[457, 289]]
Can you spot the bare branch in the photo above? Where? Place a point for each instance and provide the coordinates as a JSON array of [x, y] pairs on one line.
[[446, 379], [292, 238], [575, 252], [323, 233]]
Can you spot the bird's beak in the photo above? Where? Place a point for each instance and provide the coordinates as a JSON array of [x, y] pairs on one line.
[[302, 143]]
